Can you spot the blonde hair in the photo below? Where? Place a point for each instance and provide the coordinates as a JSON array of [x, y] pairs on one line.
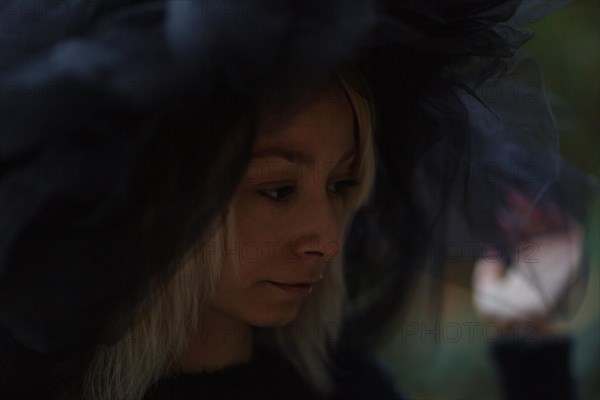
[[151, 347]]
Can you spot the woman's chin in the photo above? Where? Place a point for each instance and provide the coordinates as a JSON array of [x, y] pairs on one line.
[[277, 319]]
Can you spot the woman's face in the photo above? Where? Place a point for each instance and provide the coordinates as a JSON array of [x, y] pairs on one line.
[[290, 210]]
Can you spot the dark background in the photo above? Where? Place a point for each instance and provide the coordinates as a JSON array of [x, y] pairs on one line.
[[456, 364]]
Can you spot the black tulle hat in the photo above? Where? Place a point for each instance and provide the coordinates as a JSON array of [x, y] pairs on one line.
[[117, 144]]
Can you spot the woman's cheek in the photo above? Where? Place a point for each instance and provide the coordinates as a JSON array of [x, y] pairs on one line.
[[252, 208]]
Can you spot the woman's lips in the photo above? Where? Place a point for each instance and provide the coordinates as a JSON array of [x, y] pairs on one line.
[[294, 289]]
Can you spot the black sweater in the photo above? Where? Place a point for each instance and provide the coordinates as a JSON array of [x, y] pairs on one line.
[[269, 376], [527, 370]]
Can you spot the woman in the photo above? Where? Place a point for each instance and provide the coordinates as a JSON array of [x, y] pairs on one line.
[[144, 119], [271, 271]]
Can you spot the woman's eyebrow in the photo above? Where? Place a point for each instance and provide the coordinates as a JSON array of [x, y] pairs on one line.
[[292, 155], [296, 156]]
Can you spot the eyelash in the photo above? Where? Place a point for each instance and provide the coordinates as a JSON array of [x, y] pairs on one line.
[[345, 185]]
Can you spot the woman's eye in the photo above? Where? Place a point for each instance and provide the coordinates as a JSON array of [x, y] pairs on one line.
[[283, 192], [340, 187], [277, 194]]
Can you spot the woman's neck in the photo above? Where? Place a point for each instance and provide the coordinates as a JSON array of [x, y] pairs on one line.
[[221, 342]]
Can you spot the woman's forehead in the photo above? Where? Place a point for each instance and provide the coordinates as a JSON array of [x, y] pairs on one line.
[[313, 115], [280, 110]]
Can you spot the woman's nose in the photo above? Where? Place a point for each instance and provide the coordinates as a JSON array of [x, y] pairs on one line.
[[320, 235], [317, 248]]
